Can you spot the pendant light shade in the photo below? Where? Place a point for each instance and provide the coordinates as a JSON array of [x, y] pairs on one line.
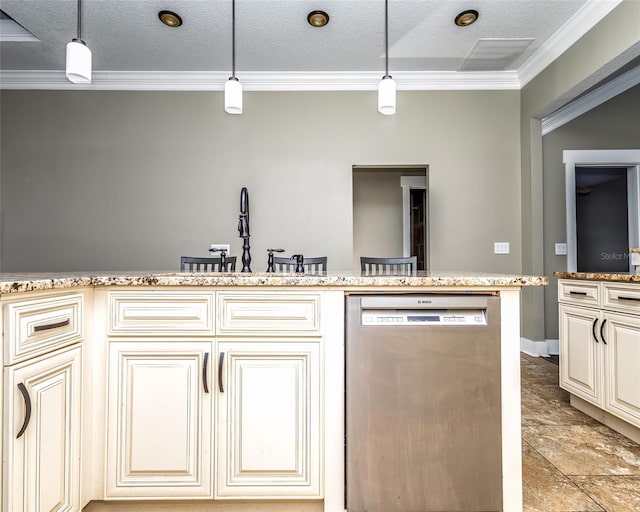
[[387, 96], [387, 86], [233, 87], [78, 56], [78, 62], [233, 96]]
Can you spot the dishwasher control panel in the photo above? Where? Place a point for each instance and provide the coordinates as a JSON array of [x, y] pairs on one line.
[[424, 317]]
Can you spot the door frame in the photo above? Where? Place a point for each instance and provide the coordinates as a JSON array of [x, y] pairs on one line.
[[407, 183], [625, 158]]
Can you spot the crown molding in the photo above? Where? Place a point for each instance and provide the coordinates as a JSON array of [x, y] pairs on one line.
[[583, 21], [261, 81], [591, 100]]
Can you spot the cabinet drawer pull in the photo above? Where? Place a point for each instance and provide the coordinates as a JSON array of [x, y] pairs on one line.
[[27, 407], [593, 330], [220, 366], [204, 372], [571, 292], [602, 331], [55, 325], [621, 297]]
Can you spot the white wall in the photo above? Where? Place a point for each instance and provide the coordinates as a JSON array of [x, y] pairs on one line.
[[105, 180]]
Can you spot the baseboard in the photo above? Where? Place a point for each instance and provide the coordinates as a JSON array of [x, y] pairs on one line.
[[533, 348]]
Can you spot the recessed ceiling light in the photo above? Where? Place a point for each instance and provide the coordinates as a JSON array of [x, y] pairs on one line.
[[466, 18], [170, 19], [318, 18]]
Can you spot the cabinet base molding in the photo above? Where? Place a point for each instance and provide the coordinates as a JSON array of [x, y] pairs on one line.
[[205, 506], [608, 419]]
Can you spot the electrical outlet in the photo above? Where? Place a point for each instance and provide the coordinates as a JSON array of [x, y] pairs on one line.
[[226, 247], [501, 248], [561, 249]]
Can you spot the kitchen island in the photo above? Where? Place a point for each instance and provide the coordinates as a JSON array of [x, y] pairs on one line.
[[208, 391]]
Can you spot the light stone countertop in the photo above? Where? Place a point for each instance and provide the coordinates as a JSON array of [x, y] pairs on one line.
[[599, 276], [25, 282]]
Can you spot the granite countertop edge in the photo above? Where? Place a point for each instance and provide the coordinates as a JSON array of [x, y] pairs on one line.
[[599, 276], [24, 282]]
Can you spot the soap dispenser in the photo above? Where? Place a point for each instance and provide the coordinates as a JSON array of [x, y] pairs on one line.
[[299, 263]]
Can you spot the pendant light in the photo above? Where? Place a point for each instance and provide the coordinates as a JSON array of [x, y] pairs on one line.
[[387, 86], [79, 56], [233, 87]]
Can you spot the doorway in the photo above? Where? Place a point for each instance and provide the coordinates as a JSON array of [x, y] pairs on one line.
[[390, 213], [603, 201]]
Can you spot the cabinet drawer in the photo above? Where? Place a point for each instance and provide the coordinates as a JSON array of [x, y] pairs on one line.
[[621, 297], [579, 292], [268, 313], [160, 313], [36, 326]]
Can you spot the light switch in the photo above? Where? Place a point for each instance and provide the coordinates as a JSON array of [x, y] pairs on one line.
[[561, 249], [501, 248]]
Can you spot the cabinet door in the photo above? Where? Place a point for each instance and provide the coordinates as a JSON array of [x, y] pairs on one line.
[[159, 420], [42, 462], [581, 370], [269, 420], [622, 366]]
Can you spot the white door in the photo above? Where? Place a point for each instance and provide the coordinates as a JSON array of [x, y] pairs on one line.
[[159, 420], [622, 358], [42, 450], [268, 420], [581, 370]]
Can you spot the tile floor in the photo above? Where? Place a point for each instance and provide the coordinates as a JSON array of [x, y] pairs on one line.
[[571, 462]]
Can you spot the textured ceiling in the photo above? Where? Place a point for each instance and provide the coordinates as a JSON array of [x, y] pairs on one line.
[[273, 35]]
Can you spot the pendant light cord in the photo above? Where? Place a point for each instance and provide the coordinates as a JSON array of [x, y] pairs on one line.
[[233, 38], [386, 37], [79, 25]]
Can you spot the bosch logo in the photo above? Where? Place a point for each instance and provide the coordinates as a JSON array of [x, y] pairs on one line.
[[424, 302]]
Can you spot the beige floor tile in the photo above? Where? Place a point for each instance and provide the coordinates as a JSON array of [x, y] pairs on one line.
[[613, 493], [537, 411], [582, 450], [545, 489]]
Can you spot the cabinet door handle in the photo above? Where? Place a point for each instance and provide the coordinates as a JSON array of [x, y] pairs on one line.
[[55, 325], [220, 366], [593, 330], [571, 292], [204, 372], [621, 297], [27, 407], [602, 331]]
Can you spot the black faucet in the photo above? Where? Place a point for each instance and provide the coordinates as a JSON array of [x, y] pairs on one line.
[[223, 258], [270, 266], [299, 263], [243, 229]]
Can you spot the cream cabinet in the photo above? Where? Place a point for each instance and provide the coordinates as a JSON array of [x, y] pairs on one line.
[[600, 347], [581, 366], [622, 366], [159, 400], [159, 419], [42, 402], [213, 395], [268, 419], [269, 395]]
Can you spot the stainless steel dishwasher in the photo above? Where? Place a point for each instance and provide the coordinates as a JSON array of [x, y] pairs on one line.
[[423, 417]]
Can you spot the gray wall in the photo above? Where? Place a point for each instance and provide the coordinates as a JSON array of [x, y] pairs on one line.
[[97, 180], [609, 46], [613, 125], [377, 215]]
